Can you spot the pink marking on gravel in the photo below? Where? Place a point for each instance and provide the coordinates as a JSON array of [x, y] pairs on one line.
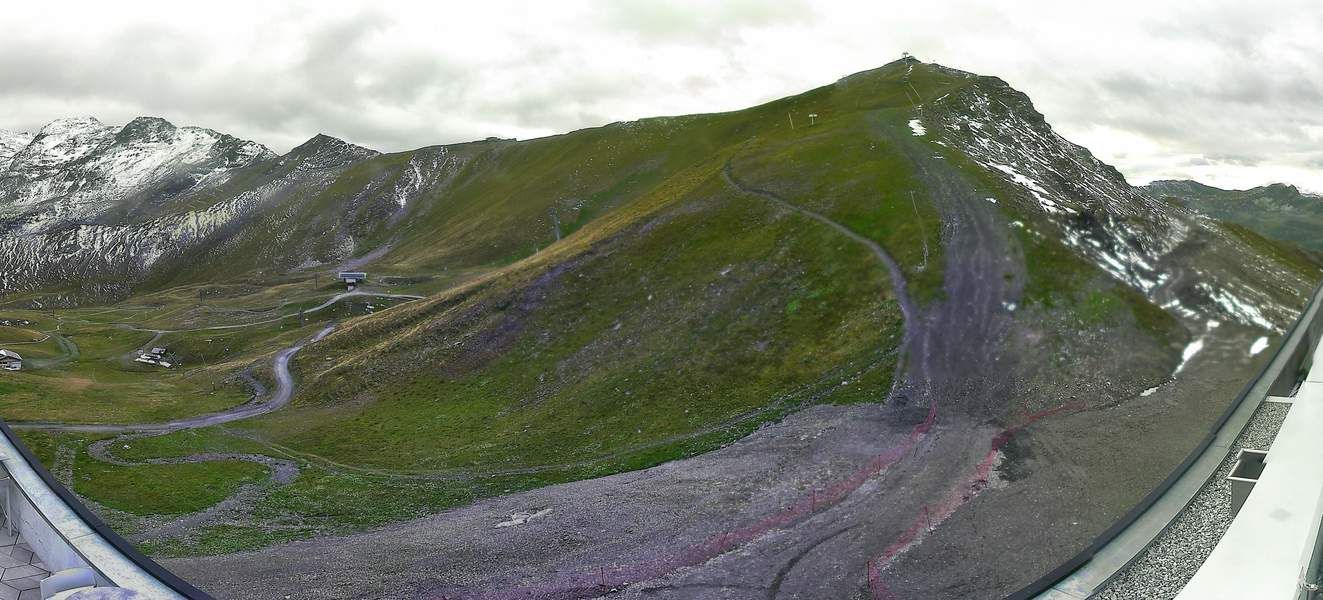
[[592, 583], [966, 490]]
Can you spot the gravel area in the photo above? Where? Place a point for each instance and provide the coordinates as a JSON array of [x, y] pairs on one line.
[[1163, 568]]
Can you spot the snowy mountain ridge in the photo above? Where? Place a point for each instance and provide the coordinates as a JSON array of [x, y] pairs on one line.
[[1128, 233], [102, 207], [79, 170]]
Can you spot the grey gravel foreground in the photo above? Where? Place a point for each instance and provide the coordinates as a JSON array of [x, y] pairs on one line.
[[1163, 568]]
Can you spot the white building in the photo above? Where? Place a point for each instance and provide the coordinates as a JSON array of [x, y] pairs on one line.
[[155, 357], [352, 278], [10, 360]]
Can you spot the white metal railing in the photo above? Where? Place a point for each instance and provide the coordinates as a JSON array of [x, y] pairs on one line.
[[65, 534], [1271, 549]]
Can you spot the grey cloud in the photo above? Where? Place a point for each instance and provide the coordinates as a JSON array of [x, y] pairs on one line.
[[1243, 160], [690, 22], [1239, 86]]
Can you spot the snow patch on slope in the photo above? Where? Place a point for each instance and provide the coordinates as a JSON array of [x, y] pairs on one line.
[[1125, 232], [1258, 346]]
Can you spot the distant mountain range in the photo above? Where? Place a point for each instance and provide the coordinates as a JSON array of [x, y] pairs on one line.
[[93, 212], [1278, 211]]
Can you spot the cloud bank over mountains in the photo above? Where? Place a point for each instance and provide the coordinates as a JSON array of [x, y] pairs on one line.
[[1224, 92]]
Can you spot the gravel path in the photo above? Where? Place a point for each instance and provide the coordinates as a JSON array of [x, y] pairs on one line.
[[1170, 561], [284, 391], [68, 352]]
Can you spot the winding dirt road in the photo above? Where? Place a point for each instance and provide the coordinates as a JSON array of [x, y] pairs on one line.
[[258, 406], [255, 407], [280, 473]]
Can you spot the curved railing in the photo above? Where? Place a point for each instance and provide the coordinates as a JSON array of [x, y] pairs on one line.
[[1281, 374], [71, 535]]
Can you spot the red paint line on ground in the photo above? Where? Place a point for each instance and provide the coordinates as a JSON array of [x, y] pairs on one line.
[[962, 493], [595, 582]]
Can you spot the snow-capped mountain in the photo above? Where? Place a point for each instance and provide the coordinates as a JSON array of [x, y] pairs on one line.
[[79, 170]]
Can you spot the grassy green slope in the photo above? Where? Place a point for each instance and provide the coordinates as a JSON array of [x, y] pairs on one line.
[[101, 384], [1277, 211], [493, 203], [679, 307], [703, 314], [512, 199], [1308, 264]]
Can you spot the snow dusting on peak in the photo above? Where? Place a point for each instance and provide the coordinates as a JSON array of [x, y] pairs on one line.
[[326, 152], [71, 124], [60, 142], [75, 170], [1141, 241]]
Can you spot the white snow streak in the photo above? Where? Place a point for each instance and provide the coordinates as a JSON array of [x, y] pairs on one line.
[[1259, 345], [1187, 354]]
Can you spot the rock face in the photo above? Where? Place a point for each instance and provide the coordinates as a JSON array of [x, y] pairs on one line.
[[11, 142], [1186, 262], [77, 171]]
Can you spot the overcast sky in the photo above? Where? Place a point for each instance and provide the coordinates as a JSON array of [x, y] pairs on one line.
[[1225, 92]]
